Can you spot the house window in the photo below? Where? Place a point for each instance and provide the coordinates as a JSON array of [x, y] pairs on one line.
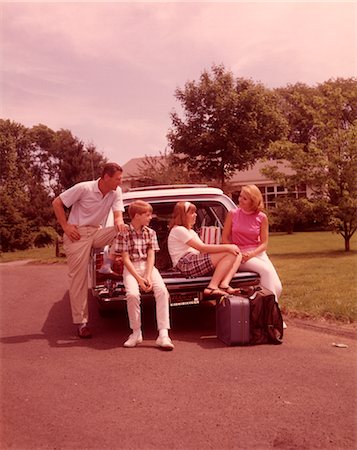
[[271, 193]]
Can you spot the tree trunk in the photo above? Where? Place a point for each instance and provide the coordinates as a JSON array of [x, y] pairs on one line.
[[347, 243]]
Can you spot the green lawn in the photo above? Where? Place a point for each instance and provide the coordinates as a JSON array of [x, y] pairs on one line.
[[46, 255], [319, 278]]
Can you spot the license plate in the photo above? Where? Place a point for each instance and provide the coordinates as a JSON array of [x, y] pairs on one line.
[[183, 299]]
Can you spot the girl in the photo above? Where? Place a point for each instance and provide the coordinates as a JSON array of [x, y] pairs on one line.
[[194, 258], [248, 228]]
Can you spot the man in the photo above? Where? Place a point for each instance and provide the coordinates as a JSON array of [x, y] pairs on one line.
[[90, 203]]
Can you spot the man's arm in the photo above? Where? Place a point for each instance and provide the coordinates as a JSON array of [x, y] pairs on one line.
[[119, 221], [69, 229]]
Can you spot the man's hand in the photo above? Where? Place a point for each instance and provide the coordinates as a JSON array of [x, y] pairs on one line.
[[122, 228], [72, 232]]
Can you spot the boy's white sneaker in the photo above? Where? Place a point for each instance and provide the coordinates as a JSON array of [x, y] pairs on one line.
[[133, 340], [165, 343]]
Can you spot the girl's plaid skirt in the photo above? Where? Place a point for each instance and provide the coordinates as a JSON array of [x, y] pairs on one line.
[[193, 265]]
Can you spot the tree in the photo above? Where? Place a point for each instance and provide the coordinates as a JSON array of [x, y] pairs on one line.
[[73, 162], [228, 123], [36, 164], [168, 168], [325, 158], [14, 229]]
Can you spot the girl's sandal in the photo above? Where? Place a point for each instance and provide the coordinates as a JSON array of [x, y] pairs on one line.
[[230, 291]]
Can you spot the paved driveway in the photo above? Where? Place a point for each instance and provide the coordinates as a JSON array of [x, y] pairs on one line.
[[59, 392]]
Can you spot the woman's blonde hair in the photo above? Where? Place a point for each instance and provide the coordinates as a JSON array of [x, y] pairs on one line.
[[179, 215], [139, 207], [255, 196]]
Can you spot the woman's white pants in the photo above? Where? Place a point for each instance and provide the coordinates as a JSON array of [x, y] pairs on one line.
[[268, 275]]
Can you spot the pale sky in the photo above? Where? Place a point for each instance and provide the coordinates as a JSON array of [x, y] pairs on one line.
[[108, 71]]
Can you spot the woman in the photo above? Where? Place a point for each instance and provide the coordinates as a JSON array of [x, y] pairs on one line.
[[248, 228], [194, 258]]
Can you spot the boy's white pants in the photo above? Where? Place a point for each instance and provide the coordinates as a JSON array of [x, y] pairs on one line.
[[133, 297], [268, 275]]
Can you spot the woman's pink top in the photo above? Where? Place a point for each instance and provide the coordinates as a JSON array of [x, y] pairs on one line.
[[246, 228]]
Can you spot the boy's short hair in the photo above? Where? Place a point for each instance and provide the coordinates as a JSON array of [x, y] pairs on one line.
[[139, 207]]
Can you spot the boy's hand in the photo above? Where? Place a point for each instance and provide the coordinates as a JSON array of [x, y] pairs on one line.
[[145, 285], [148, 283]]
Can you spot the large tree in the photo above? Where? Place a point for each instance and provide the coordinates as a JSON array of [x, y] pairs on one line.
[[36, 164], [227, 123], [322, 148], [14, 162]]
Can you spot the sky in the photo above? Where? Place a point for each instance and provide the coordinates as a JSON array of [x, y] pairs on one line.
[[108, 71]]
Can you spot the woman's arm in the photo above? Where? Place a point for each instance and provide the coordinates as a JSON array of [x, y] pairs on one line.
[[227, 229], [264, 236]]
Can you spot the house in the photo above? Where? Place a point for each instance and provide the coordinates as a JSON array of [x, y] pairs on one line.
[[133, 177]]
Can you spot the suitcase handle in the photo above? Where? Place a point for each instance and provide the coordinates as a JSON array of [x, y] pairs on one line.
[[250, 290]]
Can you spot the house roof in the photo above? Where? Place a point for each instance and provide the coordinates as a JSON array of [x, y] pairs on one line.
[[131, 168], [250, 176]]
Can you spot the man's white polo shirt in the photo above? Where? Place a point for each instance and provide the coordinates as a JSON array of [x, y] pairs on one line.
[[89, 207]]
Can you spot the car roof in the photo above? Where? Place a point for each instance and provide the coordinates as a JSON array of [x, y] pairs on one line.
[[172, 191]]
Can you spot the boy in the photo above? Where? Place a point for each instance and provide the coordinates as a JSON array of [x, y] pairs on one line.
[[138, 246]]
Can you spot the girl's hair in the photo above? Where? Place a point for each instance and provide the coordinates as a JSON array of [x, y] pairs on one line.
[[179, 216], [256, 197], [139, 207]]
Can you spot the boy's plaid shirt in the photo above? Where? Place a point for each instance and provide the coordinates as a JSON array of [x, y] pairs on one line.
[[137, 244]]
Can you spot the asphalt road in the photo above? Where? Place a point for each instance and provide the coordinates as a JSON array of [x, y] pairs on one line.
[[59, 392]]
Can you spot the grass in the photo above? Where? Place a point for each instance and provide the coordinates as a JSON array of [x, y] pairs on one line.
[[318, 276], [45, 255]]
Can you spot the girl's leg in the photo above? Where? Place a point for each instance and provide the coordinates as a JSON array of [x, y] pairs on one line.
[[225, 264], [227, 279]]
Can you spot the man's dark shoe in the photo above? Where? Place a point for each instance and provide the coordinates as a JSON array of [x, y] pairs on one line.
[[84, 332]]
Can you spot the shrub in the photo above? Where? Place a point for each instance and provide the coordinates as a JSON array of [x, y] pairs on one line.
[[45, 236]]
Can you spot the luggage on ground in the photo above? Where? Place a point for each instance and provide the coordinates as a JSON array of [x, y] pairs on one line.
[[253, 318], [232, 320]]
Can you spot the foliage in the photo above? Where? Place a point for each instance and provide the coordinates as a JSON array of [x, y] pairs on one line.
[[227, 125], [45, 236], [287, 212], [322, 150], [168, 168], [37, 164]]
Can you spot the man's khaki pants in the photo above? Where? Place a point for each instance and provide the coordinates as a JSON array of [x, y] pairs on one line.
[[78, 254]]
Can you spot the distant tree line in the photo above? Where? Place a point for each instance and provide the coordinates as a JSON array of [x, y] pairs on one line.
[[36, 165], [226, 124]]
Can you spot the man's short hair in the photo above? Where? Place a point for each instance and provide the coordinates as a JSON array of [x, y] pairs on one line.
[[139, 207], [110, 169]]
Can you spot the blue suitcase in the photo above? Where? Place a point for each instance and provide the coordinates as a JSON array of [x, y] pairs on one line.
[[233, 320]]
